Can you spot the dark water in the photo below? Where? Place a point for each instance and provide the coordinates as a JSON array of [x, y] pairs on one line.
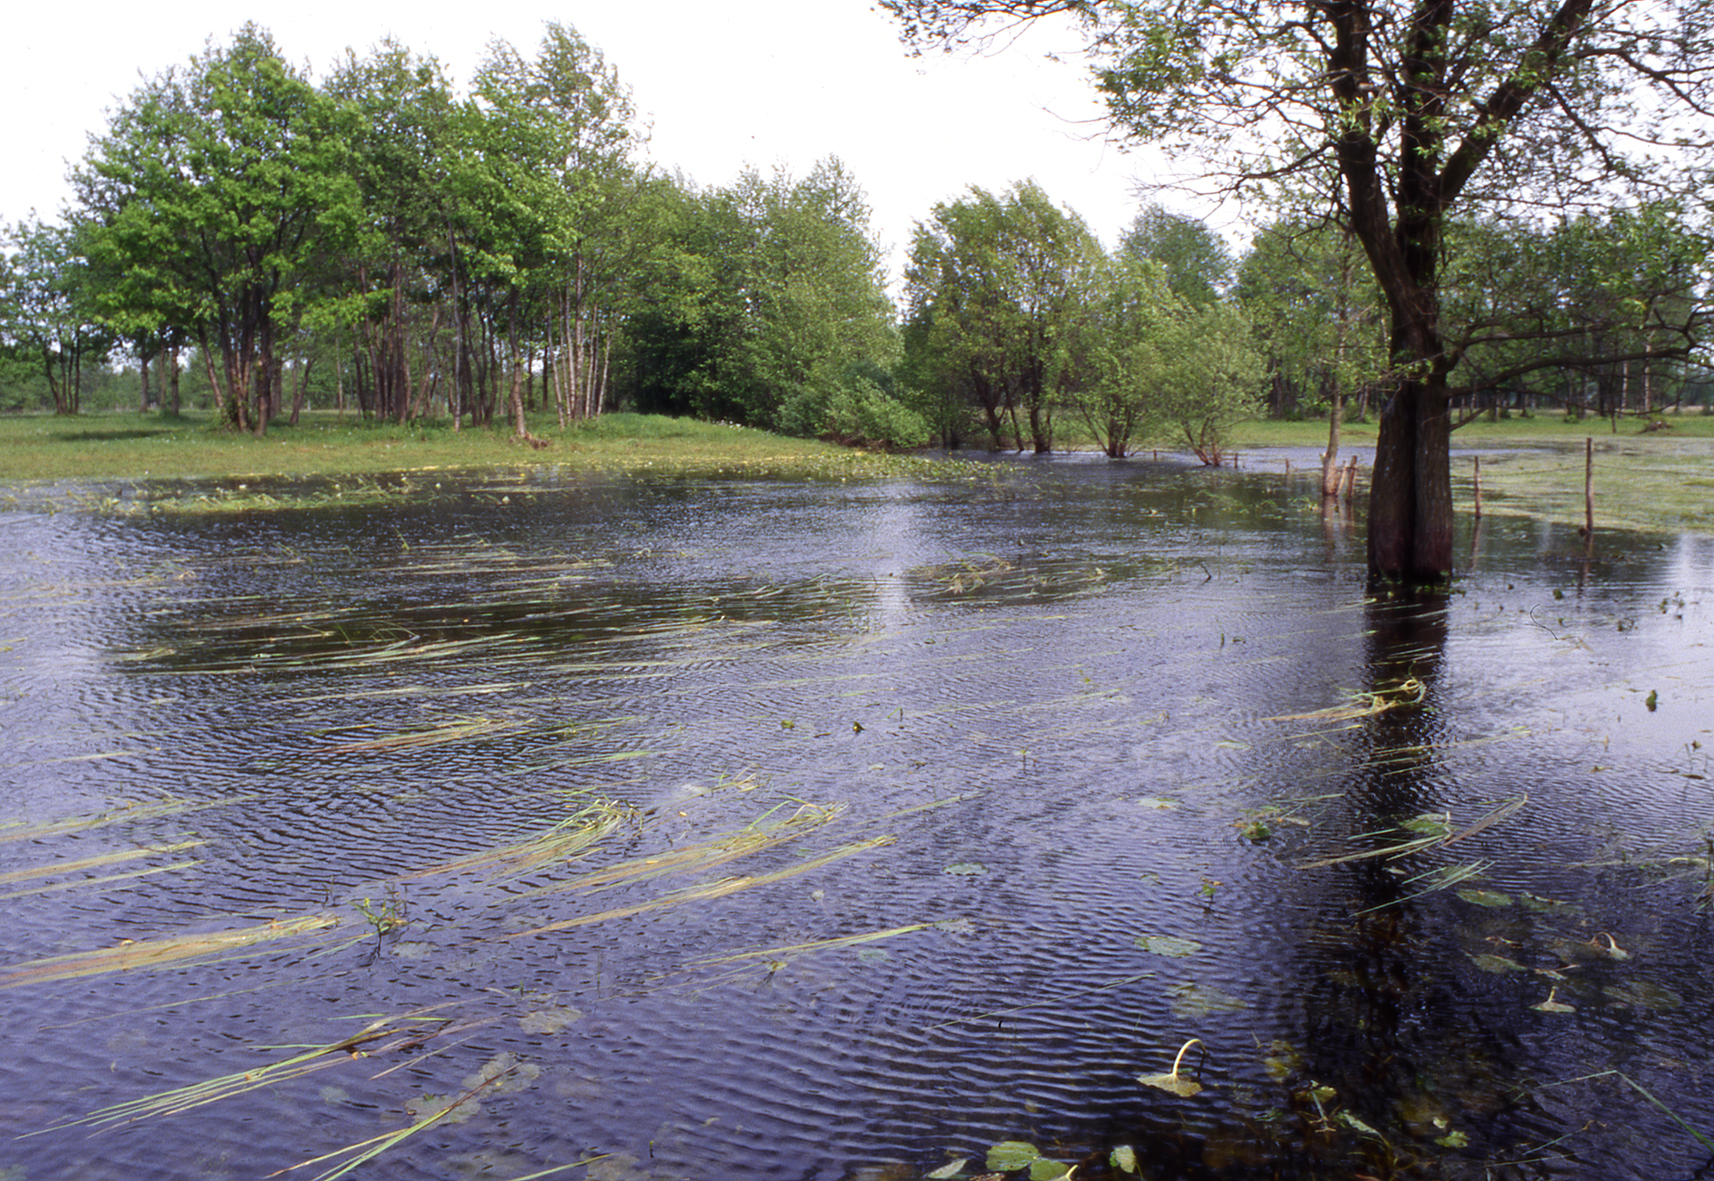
[[904, 819]]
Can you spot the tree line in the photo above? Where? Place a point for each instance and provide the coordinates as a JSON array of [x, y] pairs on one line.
[[378, 241]]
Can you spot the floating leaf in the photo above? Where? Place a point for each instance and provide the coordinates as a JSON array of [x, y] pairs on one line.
[[1537, 903], [1010, 1155], [947, 1171], [1357, 1125], [1640, 994], [1492, 899], [1047, 1170], [1497, 964], [550, 1019], [966, 869], [1192, 1001], [1552, 1006], [1170, 945], [1157, 803], [1124, 1158], [1173, 1082]]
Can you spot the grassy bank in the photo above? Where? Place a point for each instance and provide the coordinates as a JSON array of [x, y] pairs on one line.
[[1657, 480], [137, 446], [1537, 430], [1652, 480]]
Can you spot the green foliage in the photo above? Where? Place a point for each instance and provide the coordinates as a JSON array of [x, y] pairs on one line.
[[1317, 314], [209, 208], [1129, 353], [1196, 260], [999, 289], [48, 327], [1213, 380], [766, 306]]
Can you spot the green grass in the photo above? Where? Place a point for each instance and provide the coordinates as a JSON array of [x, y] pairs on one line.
[[135, 446], [1541, 428], [1655, 480]]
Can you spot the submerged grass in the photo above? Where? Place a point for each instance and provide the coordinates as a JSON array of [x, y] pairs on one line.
[[173, 951]]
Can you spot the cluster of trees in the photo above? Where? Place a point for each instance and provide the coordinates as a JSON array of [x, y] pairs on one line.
[[423, 252], [1407, 122], [1016, 314], [1475, 187]]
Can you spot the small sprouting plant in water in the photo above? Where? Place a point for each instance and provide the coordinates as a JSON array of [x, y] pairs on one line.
[[387, 915]]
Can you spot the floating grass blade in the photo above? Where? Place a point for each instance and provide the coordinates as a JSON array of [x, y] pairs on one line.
[[171, 952], [703, 893], [790, 950], [1444, 836], [406, 1031], [568, 839], [59, 867]]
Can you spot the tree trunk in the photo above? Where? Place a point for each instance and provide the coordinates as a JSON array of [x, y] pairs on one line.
[[1330, 458], [1410, 495]]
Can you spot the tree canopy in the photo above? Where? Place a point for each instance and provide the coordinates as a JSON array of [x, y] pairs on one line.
[[1392, 117]]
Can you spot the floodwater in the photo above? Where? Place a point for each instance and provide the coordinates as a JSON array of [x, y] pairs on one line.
[[670, 828]]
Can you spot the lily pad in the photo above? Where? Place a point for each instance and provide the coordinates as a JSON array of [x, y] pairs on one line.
[[1177, 1084], [1169, 945], [1489, 898], [550, 1019], [947, 1171], [1010, 1155], [1192, 1002], [966, 869], [1172, 1081], [1124, 1158], [1157, 803], [1550, 1005]]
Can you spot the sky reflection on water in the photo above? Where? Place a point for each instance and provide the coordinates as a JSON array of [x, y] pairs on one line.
[[895, 820]]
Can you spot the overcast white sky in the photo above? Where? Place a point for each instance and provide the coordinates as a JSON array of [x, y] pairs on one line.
[[762, 82]]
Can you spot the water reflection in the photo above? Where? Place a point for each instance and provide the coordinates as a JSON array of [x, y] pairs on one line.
[[782, 830]]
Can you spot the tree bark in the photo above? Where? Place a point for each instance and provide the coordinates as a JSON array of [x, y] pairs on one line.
[[1410, 493]]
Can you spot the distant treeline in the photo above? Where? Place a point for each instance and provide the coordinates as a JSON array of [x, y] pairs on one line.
[[254, 241]]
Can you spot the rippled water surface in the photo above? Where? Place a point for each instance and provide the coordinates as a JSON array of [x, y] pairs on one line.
[[699, 829]]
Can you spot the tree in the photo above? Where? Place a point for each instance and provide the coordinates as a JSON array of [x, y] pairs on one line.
[[763, 303], [1000, 285], [1318, 317], [45, 313], [212, 204], [1397, 115], [399, 146], [1126, 344], [1196, 260], [1212, 378], [558, 133]]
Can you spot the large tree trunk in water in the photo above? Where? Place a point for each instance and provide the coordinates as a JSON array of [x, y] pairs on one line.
[[1410, 497]]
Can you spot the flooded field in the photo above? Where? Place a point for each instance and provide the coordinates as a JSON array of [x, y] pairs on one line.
[[626, 828]]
